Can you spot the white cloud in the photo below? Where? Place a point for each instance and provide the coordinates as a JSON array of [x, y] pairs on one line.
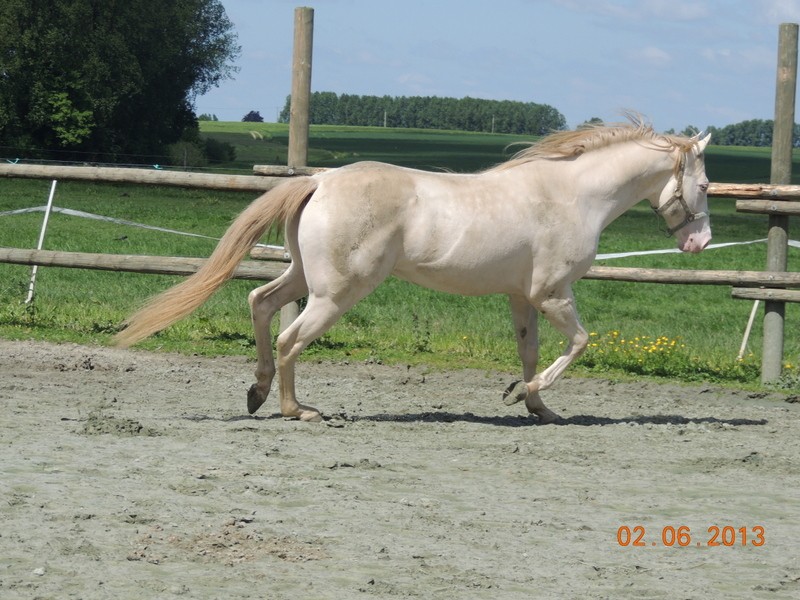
[[415, 83], [607, 8], [780, 11], [651, 56], [745, 58], [673, 10], [666, 10]]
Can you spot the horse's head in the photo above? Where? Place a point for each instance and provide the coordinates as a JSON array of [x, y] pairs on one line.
[[683, 202]]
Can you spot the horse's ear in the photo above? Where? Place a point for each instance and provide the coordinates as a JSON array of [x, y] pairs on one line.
[[702, 142]]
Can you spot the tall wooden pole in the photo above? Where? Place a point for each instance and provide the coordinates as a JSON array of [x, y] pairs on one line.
[[301, 86], [299, 111], [781, 173]]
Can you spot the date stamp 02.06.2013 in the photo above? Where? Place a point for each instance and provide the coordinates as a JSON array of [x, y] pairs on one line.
[[683, 536]]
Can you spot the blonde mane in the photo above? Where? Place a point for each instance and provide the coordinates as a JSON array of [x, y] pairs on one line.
[[568, 144]]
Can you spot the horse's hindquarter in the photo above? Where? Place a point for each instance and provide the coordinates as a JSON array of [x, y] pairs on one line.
[[348, 232]]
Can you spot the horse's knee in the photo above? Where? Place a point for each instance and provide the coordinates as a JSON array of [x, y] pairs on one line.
[[252, 298], [581, 342], [260, 307]]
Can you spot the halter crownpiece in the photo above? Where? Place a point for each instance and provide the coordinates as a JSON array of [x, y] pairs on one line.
[[677, 196]]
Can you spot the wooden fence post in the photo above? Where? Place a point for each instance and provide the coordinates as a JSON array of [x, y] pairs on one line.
[[781, 173], [301, 86], [299, 111]]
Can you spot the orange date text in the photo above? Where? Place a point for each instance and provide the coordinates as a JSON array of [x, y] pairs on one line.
[[683, 535]]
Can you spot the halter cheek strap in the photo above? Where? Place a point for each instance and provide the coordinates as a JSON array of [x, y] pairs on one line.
[[677, 196]]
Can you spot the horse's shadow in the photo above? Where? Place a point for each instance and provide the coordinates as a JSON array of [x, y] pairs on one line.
[[524, 421], [513, 421]]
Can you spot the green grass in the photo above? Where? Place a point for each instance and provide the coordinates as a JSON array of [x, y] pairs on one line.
[[399, 322]]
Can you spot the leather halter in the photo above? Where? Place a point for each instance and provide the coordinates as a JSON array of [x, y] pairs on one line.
[[677, 196]]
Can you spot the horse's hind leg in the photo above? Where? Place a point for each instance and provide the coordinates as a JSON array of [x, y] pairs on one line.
[[265, 301], [526, 330], [319, 315]]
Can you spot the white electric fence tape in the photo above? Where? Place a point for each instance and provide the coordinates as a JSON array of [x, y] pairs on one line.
[[85, 215]]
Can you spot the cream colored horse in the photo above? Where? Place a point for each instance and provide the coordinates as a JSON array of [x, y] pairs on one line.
[[527, 228]]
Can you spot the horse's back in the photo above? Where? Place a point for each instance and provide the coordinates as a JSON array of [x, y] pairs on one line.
[[369, 220]]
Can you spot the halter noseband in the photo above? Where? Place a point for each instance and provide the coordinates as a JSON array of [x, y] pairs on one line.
[[677, 196]]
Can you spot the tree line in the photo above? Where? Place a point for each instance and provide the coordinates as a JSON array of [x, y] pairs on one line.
[[431, 112], [754, 132]]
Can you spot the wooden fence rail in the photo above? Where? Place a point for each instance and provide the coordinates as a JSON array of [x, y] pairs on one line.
[[241, 183], [769, 207], [135, 263], [261, 183], [270, 269], [745, 191], [695, 277]]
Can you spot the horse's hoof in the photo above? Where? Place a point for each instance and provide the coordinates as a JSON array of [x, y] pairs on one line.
[[307, 415], [547, 416], [254, 399], [516, 392], [311, 416]]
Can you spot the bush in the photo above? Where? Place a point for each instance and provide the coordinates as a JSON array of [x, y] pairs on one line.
[[187, 154], [253, 117], [219, 152]]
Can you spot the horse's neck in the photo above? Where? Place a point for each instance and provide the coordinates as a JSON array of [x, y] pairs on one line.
[[611, 180]]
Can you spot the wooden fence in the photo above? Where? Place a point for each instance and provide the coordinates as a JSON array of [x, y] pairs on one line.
[[774, 200], [761, 198], [750, 198]]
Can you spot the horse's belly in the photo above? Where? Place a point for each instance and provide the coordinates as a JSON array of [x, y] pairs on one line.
[[486, 279]]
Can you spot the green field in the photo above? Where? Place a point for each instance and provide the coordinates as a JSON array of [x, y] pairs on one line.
[[682, 332], [334, 146]]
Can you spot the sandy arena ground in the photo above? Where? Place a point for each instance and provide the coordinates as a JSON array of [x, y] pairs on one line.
[[126, 474]]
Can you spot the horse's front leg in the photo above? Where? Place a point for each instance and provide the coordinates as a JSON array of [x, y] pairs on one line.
[[526, 331], [560, 311]]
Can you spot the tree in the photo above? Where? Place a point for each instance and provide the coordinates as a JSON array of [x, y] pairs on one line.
[[253, 117], [755, 132], [107, 77], [594, 121]]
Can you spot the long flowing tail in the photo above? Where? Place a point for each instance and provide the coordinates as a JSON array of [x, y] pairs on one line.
[[277, 205]]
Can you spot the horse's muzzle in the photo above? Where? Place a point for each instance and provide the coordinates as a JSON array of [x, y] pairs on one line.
[[695, 242]]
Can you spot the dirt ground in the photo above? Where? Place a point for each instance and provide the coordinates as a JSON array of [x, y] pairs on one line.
[[125, 474]]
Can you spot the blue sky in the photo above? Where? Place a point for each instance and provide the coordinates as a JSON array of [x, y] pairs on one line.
[[679, 62]]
